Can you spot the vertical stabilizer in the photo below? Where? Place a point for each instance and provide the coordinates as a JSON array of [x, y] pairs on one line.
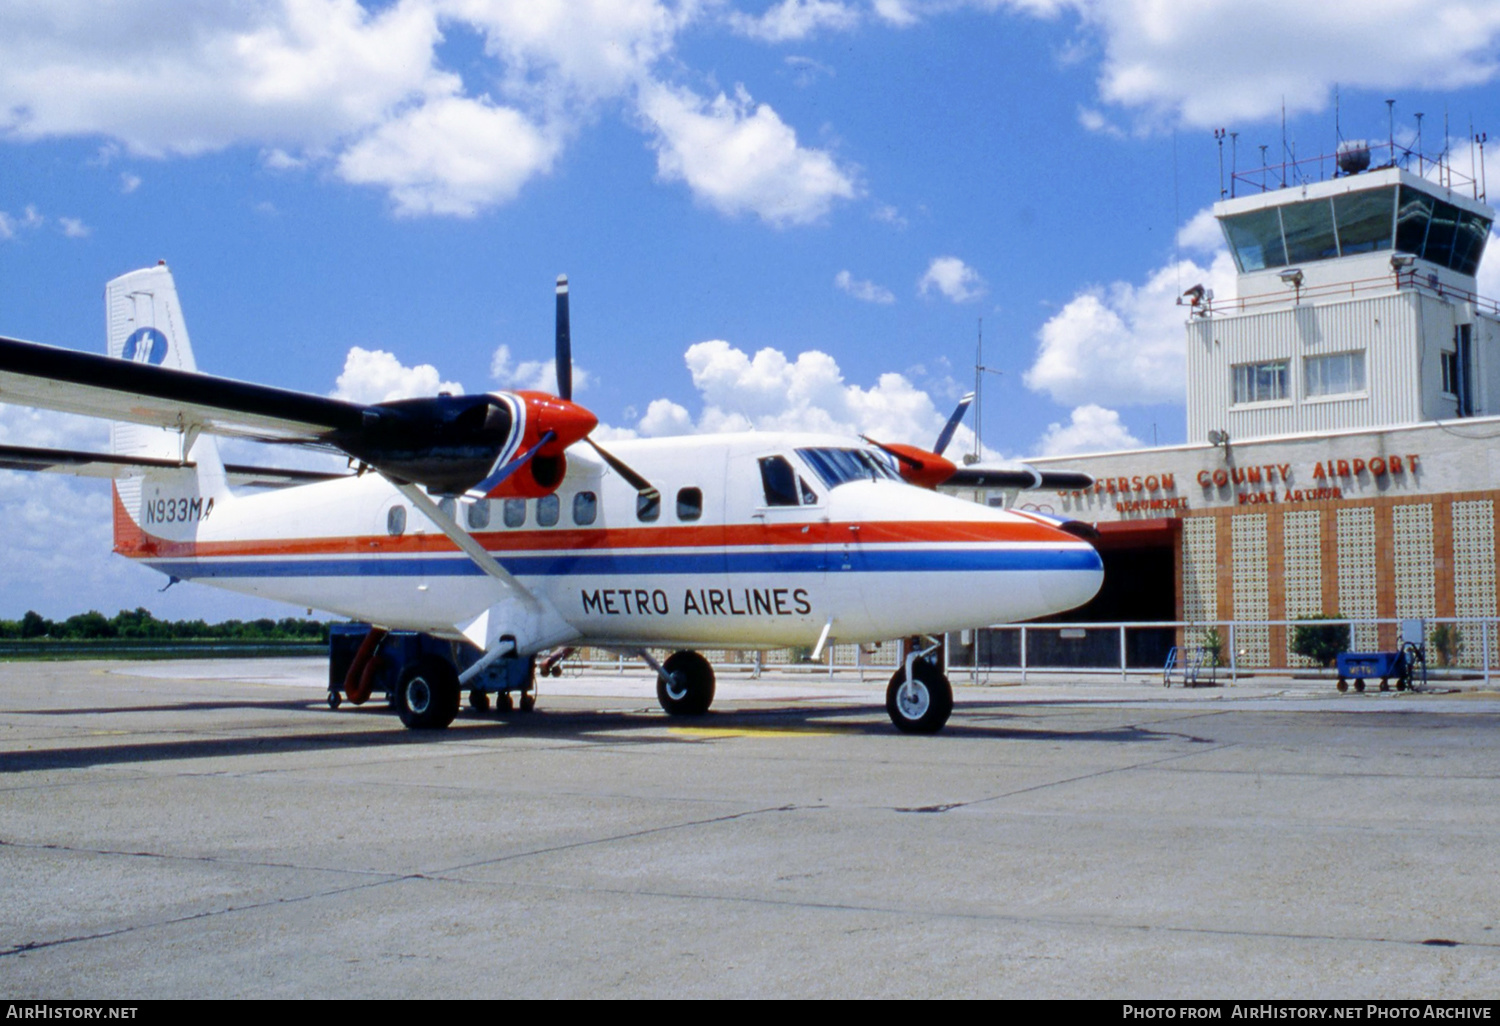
[[144, 323]]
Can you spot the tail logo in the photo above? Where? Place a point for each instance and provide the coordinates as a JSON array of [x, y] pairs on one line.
[[145, 345]]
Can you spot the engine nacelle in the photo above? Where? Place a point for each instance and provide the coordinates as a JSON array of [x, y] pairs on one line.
[[451, 444]]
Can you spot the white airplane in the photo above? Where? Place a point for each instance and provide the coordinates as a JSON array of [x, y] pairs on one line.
[[495, 528]]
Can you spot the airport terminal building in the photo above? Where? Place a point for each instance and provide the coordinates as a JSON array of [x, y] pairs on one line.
[[1344, 412]]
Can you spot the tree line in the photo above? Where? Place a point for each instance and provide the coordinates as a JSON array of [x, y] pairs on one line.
[[139, 624]]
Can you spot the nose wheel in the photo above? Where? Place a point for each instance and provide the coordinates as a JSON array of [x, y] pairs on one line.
[[922, 703]]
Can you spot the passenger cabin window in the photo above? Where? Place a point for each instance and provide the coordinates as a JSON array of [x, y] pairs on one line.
[[514, 512], [548, 507], [448, 506], [840, 466], [479, 515], [585, 508], [395, 521], [689, 503], [647, 506]]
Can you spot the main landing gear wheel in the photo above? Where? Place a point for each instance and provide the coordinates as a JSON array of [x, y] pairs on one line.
[[479, 700], [691, 690], [922, 705], [427, 696]]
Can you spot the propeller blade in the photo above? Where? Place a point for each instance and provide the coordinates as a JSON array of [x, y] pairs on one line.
[[619, 466], [946, 435], [564, 351], [489, 484]]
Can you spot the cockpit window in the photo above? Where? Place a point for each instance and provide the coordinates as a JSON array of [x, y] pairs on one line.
[[780, 481], [840, 466]]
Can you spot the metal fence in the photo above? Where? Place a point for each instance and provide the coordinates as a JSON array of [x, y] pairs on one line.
[[1242, 646]]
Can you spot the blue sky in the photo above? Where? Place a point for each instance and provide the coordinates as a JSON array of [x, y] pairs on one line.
[[772, 214]]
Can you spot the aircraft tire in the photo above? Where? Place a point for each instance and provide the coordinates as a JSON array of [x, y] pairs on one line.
[[479, 700], [427, 696], [924, 707], [692, 691]]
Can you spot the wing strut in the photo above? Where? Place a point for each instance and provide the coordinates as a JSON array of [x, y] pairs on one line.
[[466, 542]]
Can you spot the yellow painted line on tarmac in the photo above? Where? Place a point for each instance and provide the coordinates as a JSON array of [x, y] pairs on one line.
[[758, 731]]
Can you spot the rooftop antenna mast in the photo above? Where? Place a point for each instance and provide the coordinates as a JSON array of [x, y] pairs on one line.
[[1234, 152], [1390, 116], [1219, 134], [1283, 142], [979, 371]]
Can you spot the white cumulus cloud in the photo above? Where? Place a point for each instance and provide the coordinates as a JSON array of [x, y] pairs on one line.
[[1124, 343], [951, 277], [1090, 429], [795, 19], [771, 392], [1172, 59], [376, 376], [866, 291], [450, 156], [537, 375], [739, 157]]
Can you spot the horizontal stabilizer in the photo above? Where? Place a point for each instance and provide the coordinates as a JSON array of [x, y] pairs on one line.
[[242, 476], [106, 465], [81, 464]]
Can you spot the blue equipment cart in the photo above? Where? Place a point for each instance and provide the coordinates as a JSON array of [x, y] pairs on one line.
[[1362, 666]]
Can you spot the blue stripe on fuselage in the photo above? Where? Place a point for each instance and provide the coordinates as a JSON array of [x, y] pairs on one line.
[[613, 563]]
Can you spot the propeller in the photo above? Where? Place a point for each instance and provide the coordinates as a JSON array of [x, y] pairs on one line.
[[946, 435], [928, 469], [563, 359]]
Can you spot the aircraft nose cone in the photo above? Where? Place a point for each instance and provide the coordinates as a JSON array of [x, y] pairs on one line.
[[1079, 582]]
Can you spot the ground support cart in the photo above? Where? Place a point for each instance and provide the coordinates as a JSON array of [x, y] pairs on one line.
[[383, 660], [1387, 666]]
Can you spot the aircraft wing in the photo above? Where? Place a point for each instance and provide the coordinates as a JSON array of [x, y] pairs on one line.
[[51, 378], [1020, 477]]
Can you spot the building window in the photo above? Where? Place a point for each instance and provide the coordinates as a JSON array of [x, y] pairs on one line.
[[1450, 373], [1337, 374], [1260, 382]]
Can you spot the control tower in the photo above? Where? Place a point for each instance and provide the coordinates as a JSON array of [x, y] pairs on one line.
[[1356, 306]]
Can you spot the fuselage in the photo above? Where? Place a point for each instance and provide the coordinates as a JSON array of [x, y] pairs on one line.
[[758, 540]]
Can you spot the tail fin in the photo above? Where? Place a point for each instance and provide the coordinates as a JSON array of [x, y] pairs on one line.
[[144, 323]]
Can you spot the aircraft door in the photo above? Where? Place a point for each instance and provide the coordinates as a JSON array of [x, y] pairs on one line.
[[790, 538]]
